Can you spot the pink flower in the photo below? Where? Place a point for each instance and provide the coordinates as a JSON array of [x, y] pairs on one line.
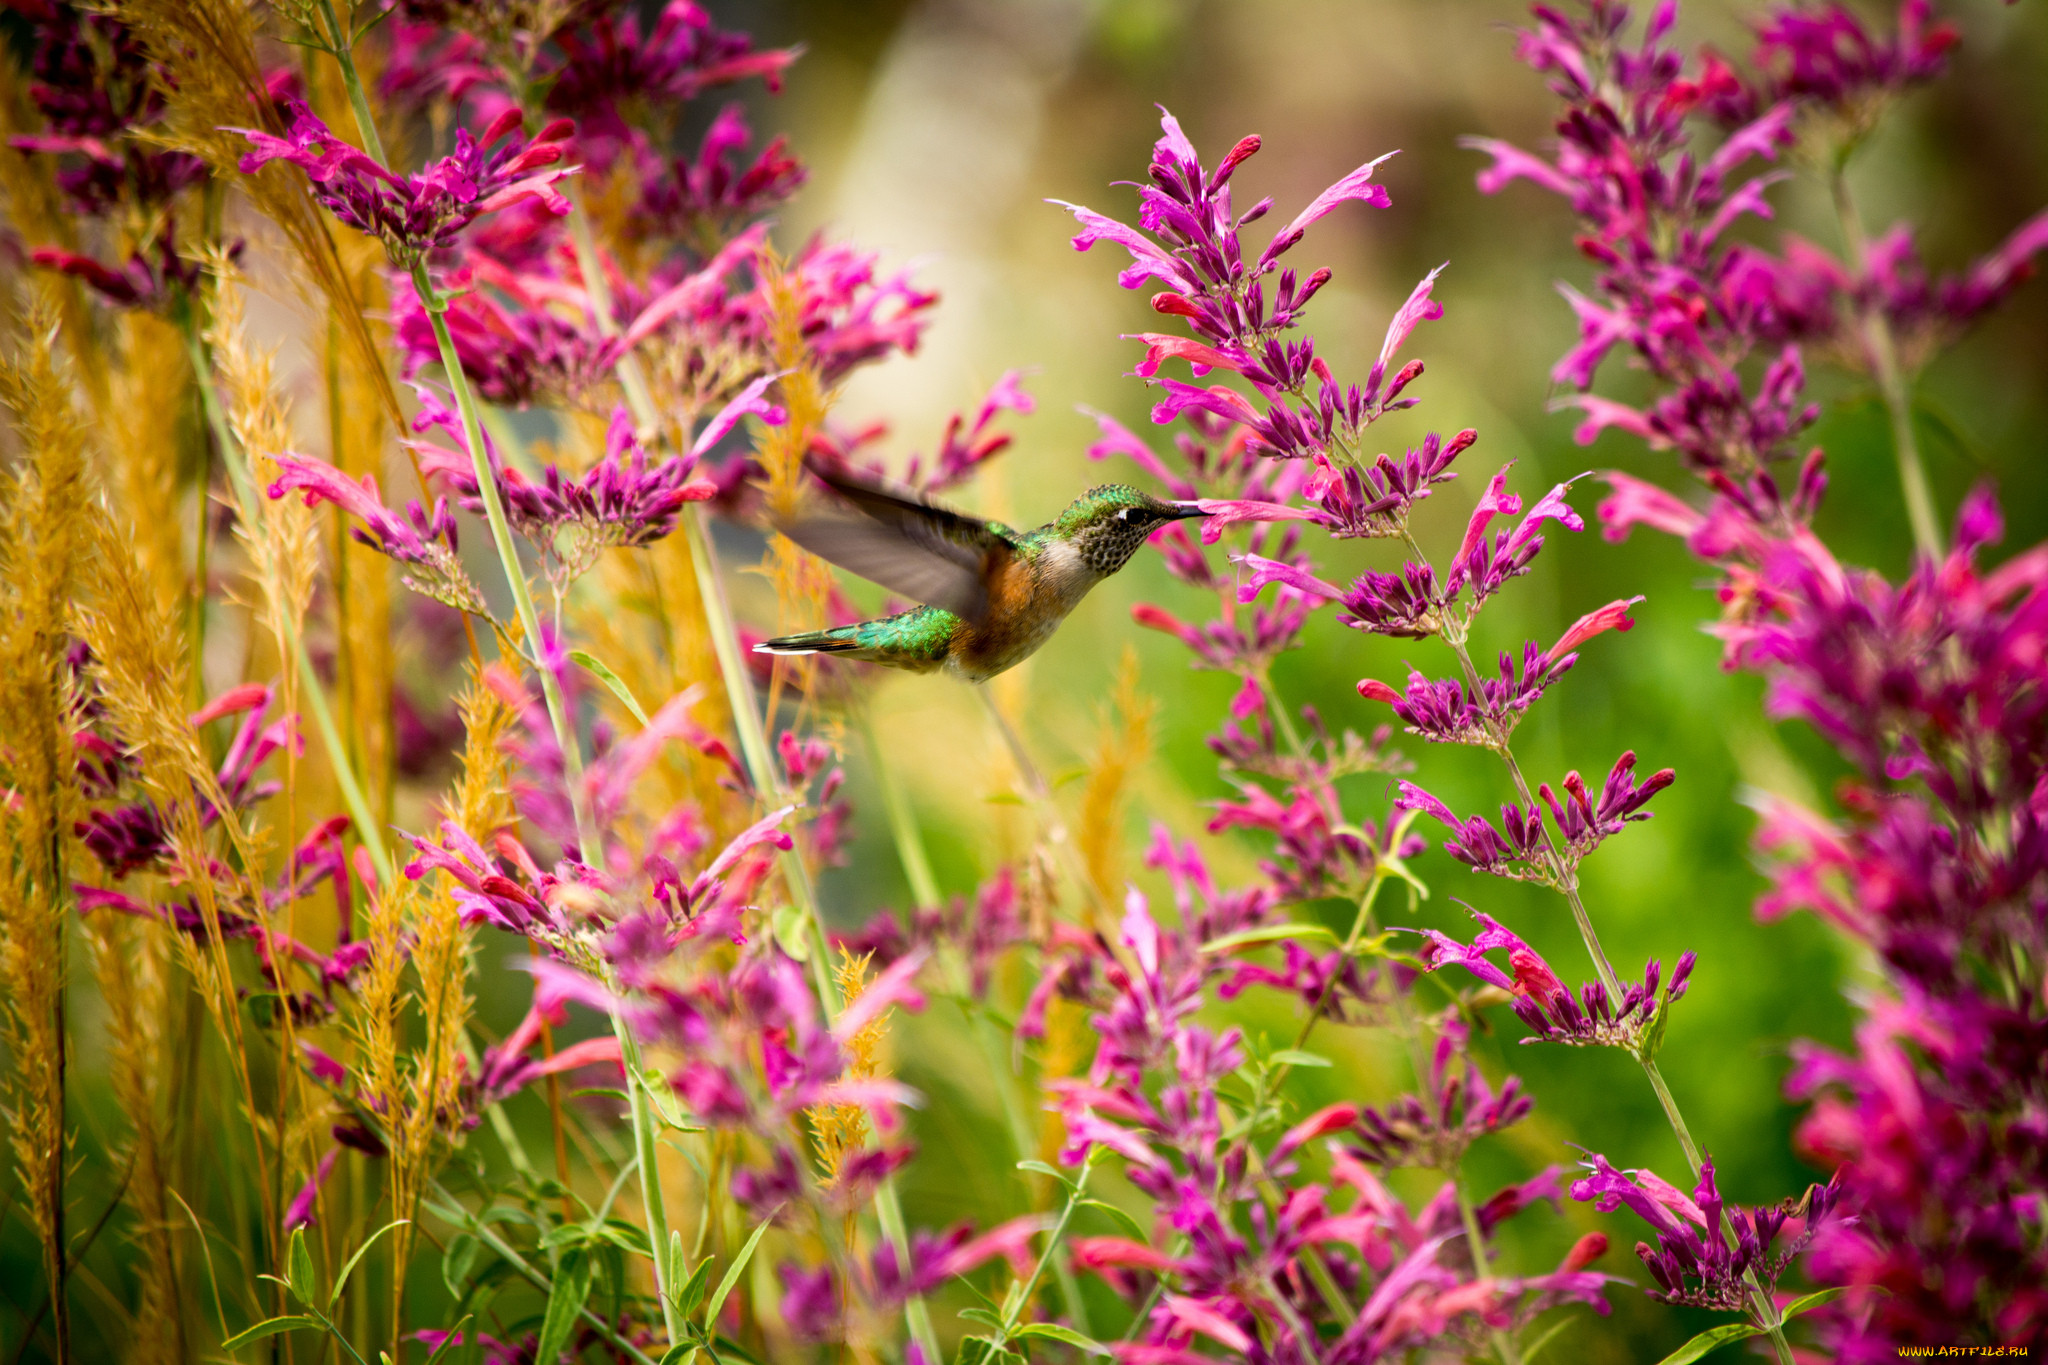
[[1613, 616], [414, 214]]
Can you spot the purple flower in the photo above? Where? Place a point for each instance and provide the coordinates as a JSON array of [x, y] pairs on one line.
[[681, 197], [1434, 1130], [412, 215], [1194, 248], [1547, 1006], [133, 837], [1582, 824], [1375, 501], [1824, 53], [1235, 643], [299, 1213], [625, 500], [91, 79], [425, 543], [676, 59], [1704, 1249], [140, 283]]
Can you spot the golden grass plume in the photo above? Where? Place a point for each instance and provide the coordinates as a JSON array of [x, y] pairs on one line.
[[42, 541], [1124, 744]]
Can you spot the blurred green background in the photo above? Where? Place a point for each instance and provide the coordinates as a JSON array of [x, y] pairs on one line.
[[935, 131]]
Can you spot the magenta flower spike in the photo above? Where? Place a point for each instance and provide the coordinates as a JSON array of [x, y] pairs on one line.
[[413, 215], [1693, 1260], [423, 542]]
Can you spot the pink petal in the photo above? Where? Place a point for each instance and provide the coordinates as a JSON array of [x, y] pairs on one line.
[[1613, 616], [1419, 308]]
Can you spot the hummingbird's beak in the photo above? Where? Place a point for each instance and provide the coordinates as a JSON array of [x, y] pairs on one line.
[[1183, 510]]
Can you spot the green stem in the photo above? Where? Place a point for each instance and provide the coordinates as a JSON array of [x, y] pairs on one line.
[[1075, 1193], [646, 1156], [508, 558], [1882, 351], [339, 44]]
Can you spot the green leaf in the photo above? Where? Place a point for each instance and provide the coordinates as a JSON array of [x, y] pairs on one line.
[[269, 1327], [732, 1274], [565, 1301], [1267, 933], [1809, 1302], [605, 1091], [457, 1261], [982, 1351], [304, 1284], [1708, 1340], [666, 1106], [1118, 1216], [678, 1353], [1052, 1331], [690, 1297], [791, 928], [450, 1339], [981, 1315], [1294, 1056], [1041, 1168], [619, 690], [334, 1295]]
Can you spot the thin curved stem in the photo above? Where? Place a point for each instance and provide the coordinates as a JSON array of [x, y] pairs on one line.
[[1881, 350]]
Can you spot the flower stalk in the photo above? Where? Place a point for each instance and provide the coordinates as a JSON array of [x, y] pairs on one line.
[[1567, 882], [1894, 385]]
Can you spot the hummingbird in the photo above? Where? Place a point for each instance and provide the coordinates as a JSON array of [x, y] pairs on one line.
[[991, 594]]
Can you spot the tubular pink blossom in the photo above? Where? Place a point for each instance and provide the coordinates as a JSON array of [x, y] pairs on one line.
[[1118, 439], [690, 293], [1161, 345], [1266, 571], [299, 1213], [748, 401], [893, 987], [1495, 501], [1225, 403], [1092, 1253], [1602, 413], [1148, 259], [1419, 308], [1511, 163], [1372, 689], [1357, 185], [1613, 616], [1200, 1317], [1636, 502], [1222, 512]]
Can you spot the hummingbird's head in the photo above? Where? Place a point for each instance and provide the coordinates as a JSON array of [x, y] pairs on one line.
[[1106, 525]]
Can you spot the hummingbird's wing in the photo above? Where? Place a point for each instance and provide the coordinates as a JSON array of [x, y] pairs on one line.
[[929, 554]]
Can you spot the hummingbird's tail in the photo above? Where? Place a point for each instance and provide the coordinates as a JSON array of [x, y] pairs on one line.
[[839, 640], [917, 640]]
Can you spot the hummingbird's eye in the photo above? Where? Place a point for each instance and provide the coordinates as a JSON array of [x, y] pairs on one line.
[[1128, 514]]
